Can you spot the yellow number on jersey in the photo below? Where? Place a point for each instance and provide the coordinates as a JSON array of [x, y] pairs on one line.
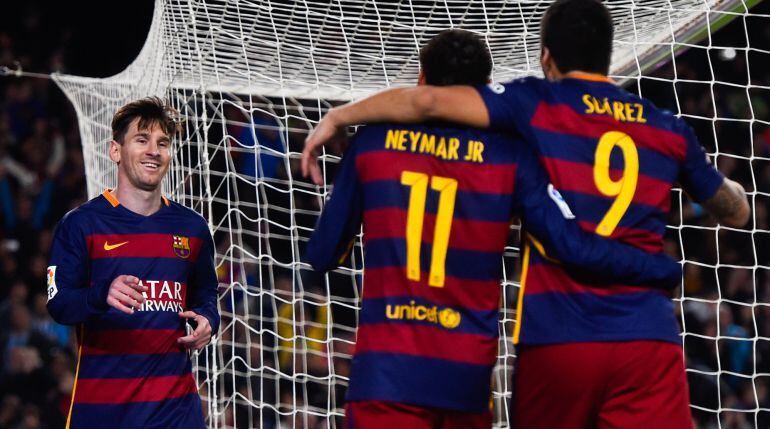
[[624, 188], [447, 188], [415, 214]]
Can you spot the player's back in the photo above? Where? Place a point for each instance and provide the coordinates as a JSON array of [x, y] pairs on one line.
[[436, 205], [615, 158]]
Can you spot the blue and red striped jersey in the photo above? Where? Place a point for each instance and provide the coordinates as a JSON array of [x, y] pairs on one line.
[[131, 372], [436, 204], [615, 157]]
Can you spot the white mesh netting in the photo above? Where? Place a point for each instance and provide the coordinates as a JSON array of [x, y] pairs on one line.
[[252, 77]]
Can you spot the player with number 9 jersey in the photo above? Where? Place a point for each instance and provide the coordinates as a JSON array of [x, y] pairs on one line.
[[614, 157], [436, 204]]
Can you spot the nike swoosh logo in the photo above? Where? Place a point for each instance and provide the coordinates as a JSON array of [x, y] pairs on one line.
[[108, 246]]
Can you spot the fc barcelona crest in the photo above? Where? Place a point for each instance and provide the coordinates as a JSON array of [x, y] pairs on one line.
[[182, 246]]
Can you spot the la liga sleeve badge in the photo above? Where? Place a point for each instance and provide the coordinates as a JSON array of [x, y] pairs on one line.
[[51, 281]]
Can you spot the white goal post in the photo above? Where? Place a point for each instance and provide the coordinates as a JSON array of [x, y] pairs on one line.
[[252, 77]]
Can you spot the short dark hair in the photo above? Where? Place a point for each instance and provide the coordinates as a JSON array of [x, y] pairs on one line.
[[456, 57], [578, 33], [151, 111]]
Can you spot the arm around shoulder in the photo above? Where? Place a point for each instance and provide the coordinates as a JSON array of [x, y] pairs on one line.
[[458, 104]]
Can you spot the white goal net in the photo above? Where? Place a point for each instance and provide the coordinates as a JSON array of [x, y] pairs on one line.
[[252, 77]]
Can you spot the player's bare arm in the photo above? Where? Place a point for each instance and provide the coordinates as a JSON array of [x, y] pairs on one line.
[[457, 104], [729, 204]]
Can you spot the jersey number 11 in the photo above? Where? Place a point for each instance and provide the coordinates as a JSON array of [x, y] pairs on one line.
[[447, 188]]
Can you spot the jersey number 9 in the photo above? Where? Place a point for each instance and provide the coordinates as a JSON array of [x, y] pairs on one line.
[[622, 189]]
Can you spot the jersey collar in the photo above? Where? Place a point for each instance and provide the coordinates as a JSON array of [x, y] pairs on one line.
[[113, 200], [593, 77]]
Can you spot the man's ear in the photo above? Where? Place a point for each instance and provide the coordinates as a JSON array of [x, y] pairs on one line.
[[421, 78], [550, 69], [115, 152], [545, 59]]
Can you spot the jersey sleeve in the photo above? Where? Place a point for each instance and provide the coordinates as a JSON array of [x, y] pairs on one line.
[[340, 220], [508, 106], [698, 176], [71, 299], [203, 284], [549, 220]]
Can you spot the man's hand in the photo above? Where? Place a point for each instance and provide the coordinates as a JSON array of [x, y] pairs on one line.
[[200, 336], [327, 132], [125, 294]]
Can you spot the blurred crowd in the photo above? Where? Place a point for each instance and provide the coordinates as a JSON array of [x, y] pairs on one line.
[[42, 177]]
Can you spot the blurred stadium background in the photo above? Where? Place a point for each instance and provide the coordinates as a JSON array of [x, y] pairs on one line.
[[42, 177]]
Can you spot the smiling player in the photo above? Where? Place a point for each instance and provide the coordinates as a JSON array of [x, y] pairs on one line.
[[129, 267]]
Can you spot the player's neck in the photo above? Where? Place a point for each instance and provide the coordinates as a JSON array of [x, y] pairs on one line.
[[554, 74], [137, 200]]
